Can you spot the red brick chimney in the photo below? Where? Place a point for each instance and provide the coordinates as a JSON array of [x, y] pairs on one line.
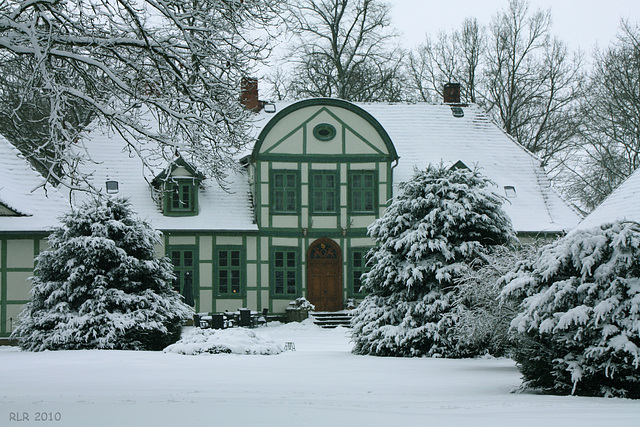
[[451, 93], [249, 94]]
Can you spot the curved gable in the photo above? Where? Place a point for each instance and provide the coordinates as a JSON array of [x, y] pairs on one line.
[[324, 127]]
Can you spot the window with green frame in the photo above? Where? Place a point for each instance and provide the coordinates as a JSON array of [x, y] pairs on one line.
[[362, 191], [285, 191], [358, 267], [184, 269], [285, 272], [229, 272], [181, 197], [324, 192]]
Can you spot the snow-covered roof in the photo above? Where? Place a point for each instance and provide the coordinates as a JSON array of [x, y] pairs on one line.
[[28, 206], [424, 133], [220, 210], [619, 205], [429, 133]]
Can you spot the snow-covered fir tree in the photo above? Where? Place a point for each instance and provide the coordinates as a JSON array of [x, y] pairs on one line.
[[578, 329], [99, 285], [442, 220]]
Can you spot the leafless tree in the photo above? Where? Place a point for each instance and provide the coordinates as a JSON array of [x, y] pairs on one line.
[[531, 80], [525, 78], [343, 49], [454, 57], [180, 61], [610, 115], [24, 116]]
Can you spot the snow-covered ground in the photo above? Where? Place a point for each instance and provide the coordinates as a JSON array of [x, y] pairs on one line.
[[319, 384]]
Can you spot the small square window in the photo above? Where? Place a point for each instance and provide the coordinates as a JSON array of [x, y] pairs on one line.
[[111, 187], [510, 191], [457, 112]]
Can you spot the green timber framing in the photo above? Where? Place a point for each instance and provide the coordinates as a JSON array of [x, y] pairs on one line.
[[257, 285], [289, 232], [351, 149], [311, 138]]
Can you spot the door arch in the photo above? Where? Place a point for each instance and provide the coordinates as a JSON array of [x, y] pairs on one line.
[[324, 275]]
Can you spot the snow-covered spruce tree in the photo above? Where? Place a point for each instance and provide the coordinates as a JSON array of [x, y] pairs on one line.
[[100, 287], [578, 329], [440, 222]]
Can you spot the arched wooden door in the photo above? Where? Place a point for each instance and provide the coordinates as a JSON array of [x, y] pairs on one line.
[[324, 275]]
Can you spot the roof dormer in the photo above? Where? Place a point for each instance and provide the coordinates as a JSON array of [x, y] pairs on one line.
[[179, 183]]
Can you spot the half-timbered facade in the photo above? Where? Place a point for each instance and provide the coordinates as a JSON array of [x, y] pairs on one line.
[[294, 220]]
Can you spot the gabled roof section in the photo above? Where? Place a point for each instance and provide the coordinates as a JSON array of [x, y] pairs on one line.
[[459, 165], [622, 204], [178, 162], [25, 203], [320, 110], [7, 211], [221, 209]]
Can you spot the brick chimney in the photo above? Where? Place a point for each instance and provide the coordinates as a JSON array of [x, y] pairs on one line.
[[249, 94], [451, 93]]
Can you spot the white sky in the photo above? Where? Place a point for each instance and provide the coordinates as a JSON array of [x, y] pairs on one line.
[[579, 23]]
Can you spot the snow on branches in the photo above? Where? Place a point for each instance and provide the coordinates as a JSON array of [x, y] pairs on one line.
[[179, 61], [578, 329], [100, 285], [441, 221]]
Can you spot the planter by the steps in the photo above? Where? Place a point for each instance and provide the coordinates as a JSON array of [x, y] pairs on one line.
[[295, 314]]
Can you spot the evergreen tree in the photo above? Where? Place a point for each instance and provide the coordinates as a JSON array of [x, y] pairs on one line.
[[100, 287], [441, 221], [578, 329]]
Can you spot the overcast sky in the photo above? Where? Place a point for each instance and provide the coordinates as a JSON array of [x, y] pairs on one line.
[[579, 23]]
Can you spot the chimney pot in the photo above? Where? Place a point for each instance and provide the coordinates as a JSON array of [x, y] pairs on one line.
[[451, 93], [249, 94]]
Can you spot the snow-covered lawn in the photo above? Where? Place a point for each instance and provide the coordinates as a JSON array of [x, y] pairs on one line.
[[319, 384]]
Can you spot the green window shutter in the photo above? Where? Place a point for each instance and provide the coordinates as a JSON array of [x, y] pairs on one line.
[[285, 190], [362, 192], [285, 272], [230, 274], [185, 271], [324, 192]]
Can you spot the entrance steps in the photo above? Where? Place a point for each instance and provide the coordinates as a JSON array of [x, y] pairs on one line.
[[332, 319]]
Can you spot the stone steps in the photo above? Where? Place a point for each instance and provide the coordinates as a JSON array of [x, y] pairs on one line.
[[327, 319]]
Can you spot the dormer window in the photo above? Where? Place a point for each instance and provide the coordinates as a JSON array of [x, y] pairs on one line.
[[179, 184], [182, 196], [457, 111], [111, 187], [510, 191], [459, 165]]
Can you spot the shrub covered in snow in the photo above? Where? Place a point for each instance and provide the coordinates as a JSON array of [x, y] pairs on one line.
[[99, 285], [482, 320], [216, 341], [442, 220], [578, 330]]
